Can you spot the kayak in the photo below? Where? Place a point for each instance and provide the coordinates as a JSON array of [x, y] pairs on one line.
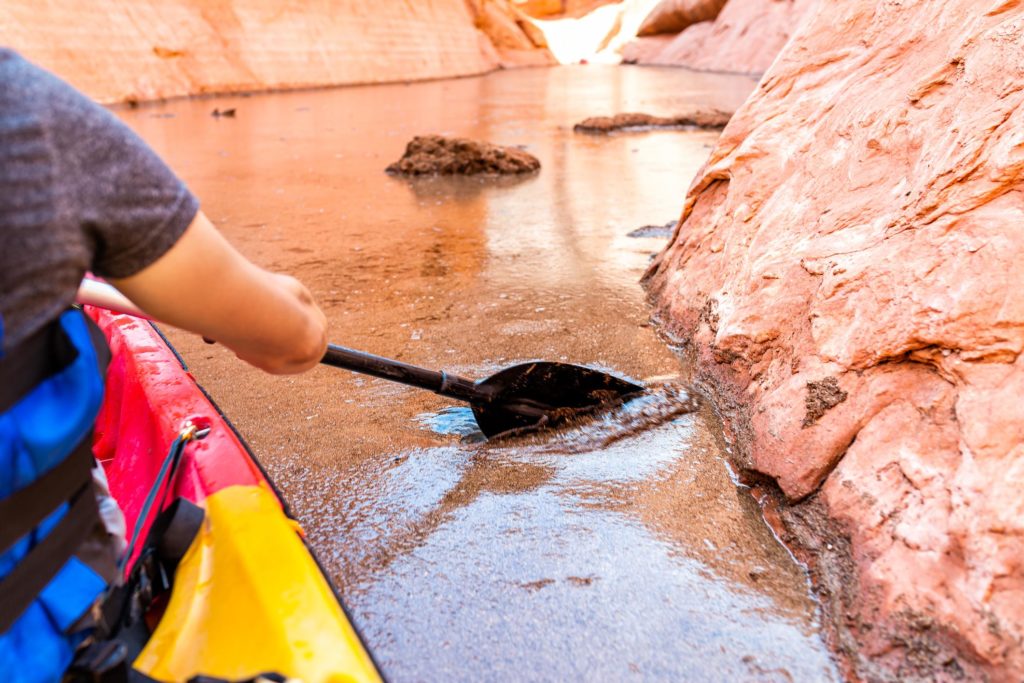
[[248, 596]]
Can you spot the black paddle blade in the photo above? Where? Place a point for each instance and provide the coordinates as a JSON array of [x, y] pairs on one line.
[[542, 394]]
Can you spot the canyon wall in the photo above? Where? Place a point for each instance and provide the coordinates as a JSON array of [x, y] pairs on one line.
[[847, 274], [744, 36], [124, 50]]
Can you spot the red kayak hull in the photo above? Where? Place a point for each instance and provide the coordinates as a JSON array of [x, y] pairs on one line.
[[150, 396]]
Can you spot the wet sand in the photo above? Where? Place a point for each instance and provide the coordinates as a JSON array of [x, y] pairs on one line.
[[607, 552]]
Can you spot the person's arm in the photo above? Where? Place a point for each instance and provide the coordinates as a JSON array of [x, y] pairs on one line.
[[202, 284]]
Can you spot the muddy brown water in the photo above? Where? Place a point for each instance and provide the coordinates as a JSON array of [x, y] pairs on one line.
[[619, 550]]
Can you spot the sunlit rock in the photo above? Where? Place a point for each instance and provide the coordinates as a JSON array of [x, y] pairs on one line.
[[132, 50], [672, 16], [550, 9], [744, 37], [598, 36]]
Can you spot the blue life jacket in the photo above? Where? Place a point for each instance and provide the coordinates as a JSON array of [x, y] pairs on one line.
[[45, 444]]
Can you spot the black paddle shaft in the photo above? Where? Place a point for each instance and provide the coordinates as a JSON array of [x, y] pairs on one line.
[[525, 396], [442, 383]]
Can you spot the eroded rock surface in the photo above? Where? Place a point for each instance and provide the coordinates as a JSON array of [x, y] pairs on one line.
[[130, 50], [744, 37], [708, 118], [438, 155], [847, 271]]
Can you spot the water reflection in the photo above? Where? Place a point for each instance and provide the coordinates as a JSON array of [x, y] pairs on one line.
[[609, 552]]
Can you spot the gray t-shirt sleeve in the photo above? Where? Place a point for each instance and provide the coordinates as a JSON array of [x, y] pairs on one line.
[[123, 197], [79, 191]]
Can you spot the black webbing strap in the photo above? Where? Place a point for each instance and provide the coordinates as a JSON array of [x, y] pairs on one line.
[[25, 509], [43, 354], [21, 587]]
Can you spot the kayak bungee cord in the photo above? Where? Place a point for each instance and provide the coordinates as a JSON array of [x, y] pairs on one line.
[[162, 484]]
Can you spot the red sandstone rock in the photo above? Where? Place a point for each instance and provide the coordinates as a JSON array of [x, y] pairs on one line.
[[744, 38], [672, 16], [500, 25], [549, 9], [517, 40], [858, 229], [122, 50]]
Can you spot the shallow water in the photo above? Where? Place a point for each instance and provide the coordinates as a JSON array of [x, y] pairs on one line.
[[614, 550]]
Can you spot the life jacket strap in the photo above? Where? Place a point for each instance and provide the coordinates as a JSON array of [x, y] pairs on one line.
[[21, 587], [43, 354], [21, 512]]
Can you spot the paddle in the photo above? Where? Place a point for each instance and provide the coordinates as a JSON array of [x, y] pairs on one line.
[[522, 397]]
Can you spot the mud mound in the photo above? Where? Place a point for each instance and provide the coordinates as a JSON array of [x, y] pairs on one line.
[[709, 118], [436, 154]]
